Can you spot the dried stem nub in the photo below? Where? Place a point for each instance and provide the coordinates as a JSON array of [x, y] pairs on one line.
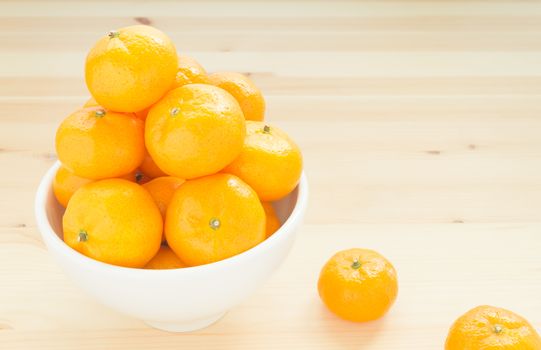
[[100, 113], [356, 264], [83, 236], [113, 34], [215, 223]]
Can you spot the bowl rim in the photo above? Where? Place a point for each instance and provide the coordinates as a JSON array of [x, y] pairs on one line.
[[45, 229]]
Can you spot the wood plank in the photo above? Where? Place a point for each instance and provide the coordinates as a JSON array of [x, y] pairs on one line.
[[449, 282], [286, 41], [304, 64]]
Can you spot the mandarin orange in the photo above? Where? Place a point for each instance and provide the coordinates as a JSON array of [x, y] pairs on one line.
[[162, 189], [189, 72], [165, 259], [65, 184], [358, 285], [272, 221], [213, 218], [96, 144], [131, 68], [249, 97], [114, 221], [195, 130], [270, 161], [492, 328]]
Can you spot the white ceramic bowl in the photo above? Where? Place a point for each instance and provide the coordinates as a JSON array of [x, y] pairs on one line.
[[177, 300]]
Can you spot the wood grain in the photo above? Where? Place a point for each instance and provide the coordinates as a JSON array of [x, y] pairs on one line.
[[420, 124]]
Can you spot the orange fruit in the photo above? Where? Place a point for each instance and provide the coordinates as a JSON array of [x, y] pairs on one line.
[[189, 72], [97, 144], [165, 259], [492, 328], [114, 221], [195, 130], [245, 92], [272, 221], [129, 69], [270, 162], [162, 190], [150, 168], [358, 285], [65, 184], [213, 218]]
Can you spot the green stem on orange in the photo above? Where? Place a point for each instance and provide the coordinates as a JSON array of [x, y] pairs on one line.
[[356, 264], [100, 113], [83, 236], [215, 223], [113, 34], [266, 129]]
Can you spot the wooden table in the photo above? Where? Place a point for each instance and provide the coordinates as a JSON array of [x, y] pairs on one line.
[[420, 124]]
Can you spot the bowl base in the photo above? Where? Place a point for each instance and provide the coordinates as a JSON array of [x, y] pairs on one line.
[[187, 326]]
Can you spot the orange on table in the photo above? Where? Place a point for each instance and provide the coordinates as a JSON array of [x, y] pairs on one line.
[[162, 189], [358, 285], [65, 184], [249, 97], [189, 72], [150, 168], [272, 221], [114, 221], [96, 144], [195, 130], [165, 259], [492, 328], [213, 218], [270, 162], [131, 68]]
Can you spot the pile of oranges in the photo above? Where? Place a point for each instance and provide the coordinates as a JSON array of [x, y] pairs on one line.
[[167, 166]]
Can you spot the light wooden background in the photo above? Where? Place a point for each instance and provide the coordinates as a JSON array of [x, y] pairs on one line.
[[420, 124]]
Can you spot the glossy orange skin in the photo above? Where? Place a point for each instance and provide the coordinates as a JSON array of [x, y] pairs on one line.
[[98, 144], [272, 221], [165, 259], [65, 184], [162, 189], [249, 97], [270, 162], [358, 293], [492, 328], [130, 69], [195, 130], [220, 199], [123, 225], [189, 72], [150, 168]]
